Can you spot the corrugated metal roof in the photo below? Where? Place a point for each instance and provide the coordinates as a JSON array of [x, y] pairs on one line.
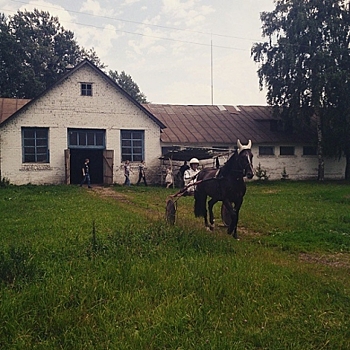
[[202, 124], [8, 106], [210, 124]]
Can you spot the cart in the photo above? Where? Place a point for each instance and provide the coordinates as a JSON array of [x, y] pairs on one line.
[[171, 206]]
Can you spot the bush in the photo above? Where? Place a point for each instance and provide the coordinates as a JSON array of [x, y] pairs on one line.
[[261, 173]]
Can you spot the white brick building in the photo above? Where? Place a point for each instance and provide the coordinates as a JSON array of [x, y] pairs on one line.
[[84, 115]]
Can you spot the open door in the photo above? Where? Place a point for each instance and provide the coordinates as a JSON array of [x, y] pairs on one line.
[[67, 165], [108, 156]]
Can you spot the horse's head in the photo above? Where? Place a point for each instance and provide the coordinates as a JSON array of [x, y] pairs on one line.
[[245, 159]]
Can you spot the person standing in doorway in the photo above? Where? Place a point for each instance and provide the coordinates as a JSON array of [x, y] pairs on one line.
[[127, 170], [142, 174], [86, 173]]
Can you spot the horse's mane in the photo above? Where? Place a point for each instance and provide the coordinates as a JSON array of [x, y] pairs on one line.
[[227, 167]]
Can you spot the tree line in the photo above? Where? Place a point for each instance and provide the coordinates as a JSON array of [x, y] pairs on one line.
[[305, 66], [35, 50]]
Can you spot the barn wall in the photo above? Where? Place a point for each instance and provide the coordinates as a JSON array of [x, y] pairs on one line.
[[298, 167], [63, 107]]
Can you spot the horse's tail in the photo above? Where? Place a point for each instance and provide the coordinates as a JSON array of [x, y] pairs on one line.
[[200, 204]]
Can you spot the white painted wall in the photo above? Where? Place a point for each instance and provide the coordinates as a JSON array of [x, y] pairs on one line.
[[298, 167], [63, 107]]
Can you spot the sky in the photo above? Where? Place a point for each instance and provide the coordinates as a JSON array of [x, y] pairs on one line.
[[189, 52]]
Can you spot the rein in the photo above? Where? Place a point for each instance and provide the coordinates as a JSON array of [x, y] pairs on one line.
[[240, 175], [183, 190]]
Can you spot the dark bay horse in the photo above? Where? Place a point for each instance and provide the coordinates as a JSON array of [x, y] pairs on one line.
[[226, 185]]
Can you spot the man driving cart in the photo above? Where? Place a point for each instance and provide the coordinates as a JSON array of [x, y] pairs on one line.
[[190, 177]]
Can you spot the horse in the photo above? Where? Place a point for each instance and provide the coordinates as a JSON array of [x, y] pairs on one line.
[[226, 185]]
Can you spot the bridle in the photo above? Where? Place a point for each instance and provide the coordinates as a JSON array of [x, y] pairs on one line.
[[245, 162]]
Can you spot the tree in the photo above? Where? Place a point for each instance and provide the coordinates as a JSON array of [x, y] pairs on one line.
[[35, 51], [126, 83], [8, 58], [337, 122], [305, 65]]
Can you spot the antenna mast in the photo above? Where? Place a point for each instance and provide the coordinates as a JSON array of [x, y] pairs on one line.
[[211, 71]]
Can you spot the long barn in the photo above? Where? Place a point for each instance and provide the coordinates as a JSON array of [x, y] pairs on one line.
[[87, 115]]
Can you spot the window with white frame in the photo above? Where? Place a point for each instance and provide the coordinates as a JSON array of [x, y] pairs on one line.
[[132, 145], [35, 145]]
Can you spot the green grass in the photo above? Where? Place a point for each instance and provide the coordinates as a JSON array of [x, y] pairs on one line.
[[301, 216], [81, 271]]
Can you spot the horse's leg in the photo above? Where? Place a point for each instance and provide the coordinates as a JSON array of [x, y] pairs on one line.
[[234, 228], [211, 204], [206, 216], [232, 211], [200, 206]]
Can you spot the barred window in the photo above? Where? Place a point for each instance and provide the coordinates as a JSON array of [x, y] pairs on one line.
[[86, 138], [132, 145], [86, 89], [35, 145]]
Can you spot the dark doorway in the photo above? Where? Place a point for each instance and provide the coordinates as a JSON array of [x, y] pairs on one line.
[[77, 159]]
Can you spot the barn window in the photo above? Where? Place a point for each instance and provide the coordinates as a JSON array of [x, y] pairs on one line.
[[86, 138], [86, 89], [35, 145], [287, 151], [132, 145], [309, 151], [266, 151]]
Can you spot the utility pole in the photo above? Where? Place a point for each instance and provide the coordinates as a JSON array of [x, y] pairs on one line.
[[211, 72]]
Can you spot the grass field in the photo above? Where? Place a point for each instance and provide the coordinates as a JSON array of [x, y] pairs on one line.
[[100, 269]]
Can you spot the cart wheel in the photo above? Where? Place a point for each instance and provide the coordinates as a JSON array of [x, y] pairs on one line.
[[225, 215], [170, 212]]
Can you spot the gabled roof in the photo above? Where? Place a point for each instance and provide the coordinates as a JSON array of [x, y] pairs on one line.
[[5, 117], [210, 124]]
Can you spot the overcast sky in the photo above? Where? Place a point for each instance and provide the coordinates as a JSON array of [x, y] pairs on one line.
[[175, 50]]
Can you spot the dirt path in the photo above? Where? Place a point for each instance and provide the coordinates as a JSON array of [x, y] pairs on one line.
[[334, 260], [109, 192]]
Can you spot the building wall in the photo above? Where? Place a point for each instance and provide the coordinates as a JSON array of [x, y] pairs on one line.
[[298, 166], [63, 107]]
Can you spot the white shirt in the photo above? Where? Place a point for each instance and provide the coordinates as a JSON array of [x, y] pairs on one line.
[[188, 178]]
